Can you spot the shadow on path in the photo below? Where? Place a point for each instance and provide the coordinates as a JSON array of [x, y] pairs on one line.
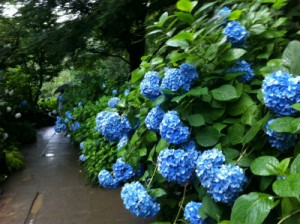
[[52, 189]]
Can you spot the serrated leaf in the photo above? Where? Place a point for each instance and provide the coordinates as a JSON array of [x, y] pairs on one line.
[[251, 208], [291, 56], [264, 166], [225, 93], [196, 120], [234, 54], [295, 167], [290, 187]]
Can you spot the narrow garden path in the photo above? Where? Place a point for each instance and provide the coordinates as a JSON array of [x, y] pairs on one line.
[[52, 189]]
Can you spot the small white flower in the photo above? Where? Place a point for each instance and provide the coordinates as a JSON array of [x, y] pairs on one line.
[[68, 136], [18, 115], [5, 136], [8, 109], [11, 92]]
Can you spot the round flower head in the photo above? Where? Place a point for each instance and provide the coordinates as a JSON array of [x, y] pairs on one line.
[[235, 33], [128, 128], [173, 80], [281, 91], [172, 129], [191, 148], [176, 165], [206, 161], [69, 115], [82, 158], [226, 183], [191, 213], [112, 103], [242, 66], [149, 87], [81, 145], [104, 85], [66, 120], [114, 92], [54, 112], [154, 118], [80, 104], [106, 180], [110, 126], [189, 74], [126, 92], [224, 12], [137, 200], [123, 141], [8, 109], [18, 115], [75, 126], [280, 140], [122, 171]]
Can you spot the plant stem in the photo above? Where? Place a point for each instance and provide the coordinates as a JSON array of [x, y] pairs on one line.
[[154, 172], [288, 216], [241, 156], [180, 204]]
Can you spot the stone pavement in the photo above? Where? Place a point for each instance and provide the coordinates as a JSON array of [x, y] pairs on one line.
[[52, 189]]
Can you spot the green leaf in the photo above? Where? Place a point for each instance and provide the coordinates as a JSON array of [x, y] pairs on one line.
[[198, 91], [296, 106], [233, 54], [240, 106], [137, 74], [283, 165], [157, 192], [184, 36], [295, 167], [185, 17], [151, 136], [253, 131], [162, 144], [288, 207], [177, 43], [211, 208], [257, 29], [185, 5], [264, 166], [290, 187], [162, 19], [230, 154], [251, 208], [283, 124], [225, 93], [235, 15], [291, 56], [236, 133], [265, 182], [208, 137], [142, 152], [196, 120]]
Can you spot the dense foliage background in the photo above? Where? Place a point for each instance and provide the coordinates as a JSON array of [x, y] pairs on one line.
[[190, 106]]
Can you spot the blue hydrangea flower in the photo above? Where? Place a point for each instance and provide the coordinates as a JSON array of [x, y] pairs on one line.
[[149, 87], [280, 140], [242, 66], [123, 141], [24, 103], [67, 120], [154, 118], [127, 125], [80, 104], [57, 129], [206, 161], [69, 115], [191, 213], [81, 145], [224, 12], [82, 158], [226, 183], [126, 92], [75, 126], [173, 80], [189, 74], [281, 91], [172, 129], [106, 180], [110, 125], [54, 112], [60, 98], [114, 92], [191, 148], [122, 171], [112, 103], [104, 85], [235, 33], [137, 200], [176, 165]]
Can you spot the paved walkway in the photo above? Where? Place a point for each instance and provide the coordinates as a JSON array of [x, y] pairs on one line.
[[52, 189]]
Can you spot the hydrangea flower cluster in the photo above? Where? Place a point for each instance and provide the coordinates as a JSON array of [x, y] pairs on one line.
[[81, 145], [80, 104], [123, 141], [281, 91], [224, 12], [176, 165], [75, 126], [191, 213], [122, 171], [137, 200], [172, 129], [280, 140], [114, 92], [149, 87], [235, 33], [69, 115], [104, 85], [223, 182], [126, 92], [59, 125], [179, 78], [106, 180], [82, 158], [242, 66], [112, 103], [154, 118]]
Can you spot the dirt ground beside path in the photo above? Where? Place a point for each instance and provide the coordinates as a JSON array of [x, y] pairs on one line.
[[52, 189]]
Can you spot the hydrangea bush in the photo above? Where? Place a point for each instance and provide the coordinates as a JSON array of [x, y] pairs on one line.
[[217, 132]]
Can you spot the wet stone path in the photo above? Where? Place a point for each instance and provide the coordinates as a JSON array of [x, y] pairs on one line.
[[52, 189]]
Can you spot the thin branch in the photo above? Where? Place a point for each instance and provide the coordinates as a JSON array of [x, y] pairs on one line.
[[288, 216], [110, 55]]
